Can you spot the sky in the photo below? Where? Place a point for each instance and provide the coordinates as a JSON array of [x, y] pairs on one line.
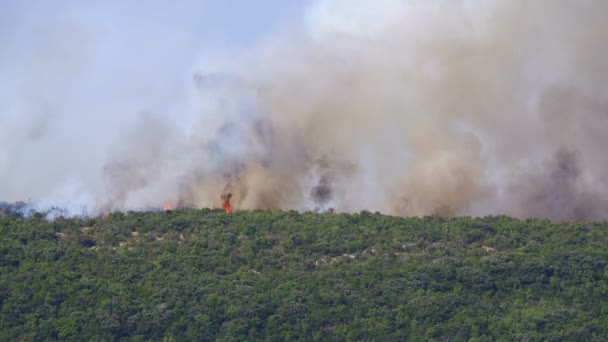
[[74, 72], [84, 47]]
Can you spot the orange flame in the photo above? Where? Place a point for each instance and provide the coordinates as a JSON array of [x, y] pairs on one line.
[[168, 206], [104, 217], [226, 198]]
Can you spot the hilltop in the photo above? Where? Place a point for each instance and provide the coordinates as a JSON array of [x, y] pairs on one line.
[[259, 275]]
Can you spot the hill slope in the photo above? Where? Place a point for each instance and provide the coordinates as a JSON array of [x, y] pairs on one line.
[[204, 275]]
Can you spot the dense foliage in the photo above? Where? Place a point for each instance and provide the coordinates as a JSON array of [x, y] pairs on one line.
[[205, 275]]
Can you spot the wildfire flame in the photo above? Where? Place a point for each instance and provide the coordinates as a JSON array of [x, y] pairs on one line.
[[226, 198], [168, 206], [104, 216]]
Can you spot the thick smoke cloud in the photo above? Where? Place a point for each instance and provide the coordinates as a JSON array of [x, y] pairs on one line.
[[404, 107]]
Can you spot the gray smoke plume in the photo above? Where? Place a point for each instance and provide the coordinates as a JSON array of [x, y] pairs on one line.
[[405, 107]]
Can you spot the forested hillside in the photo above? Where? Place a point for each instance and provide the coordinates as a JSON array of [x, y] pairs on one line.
[[204, 275]]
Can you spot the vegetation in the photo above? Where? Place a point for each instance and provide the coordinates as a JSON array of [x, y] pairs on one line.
[[204, 275]]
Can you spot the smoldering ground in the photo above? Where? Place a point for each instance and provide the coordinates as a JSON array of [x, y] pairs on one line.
[[404, 107]]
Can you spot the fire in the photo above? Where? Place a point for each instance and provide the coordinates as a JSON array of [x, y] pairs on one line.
[[104, 216], [168, 206], [226, 198]]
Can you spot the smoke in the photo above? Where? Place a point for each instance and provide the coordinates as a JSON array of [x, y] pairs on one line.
[[404, 107]]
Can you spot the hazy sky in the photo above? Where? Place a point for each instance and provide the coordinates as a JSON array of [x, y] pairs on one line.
[[97, 43], [74, 72]]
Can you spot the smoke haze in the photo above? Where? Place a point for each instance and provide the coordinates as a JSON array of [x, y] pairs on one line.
[[404, 107]]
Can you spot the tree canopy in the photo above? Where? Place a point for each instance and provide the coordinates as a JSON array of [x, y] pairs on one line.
[[284, 275]]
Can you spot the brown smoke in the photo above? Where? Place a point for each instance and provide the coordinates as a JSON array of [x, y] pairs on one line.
[[448, 107]]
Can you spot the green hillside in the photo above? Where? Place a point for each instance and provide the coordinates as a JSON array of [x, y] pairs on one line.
[[204, 275]]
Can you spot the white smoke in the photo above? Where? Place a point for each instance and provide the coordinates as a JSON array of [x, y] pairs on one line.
[[405, 107]]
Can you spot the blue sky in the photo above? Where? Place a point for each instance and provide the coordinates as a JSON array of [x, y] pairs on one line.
[[236, 21], [99, 39]]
